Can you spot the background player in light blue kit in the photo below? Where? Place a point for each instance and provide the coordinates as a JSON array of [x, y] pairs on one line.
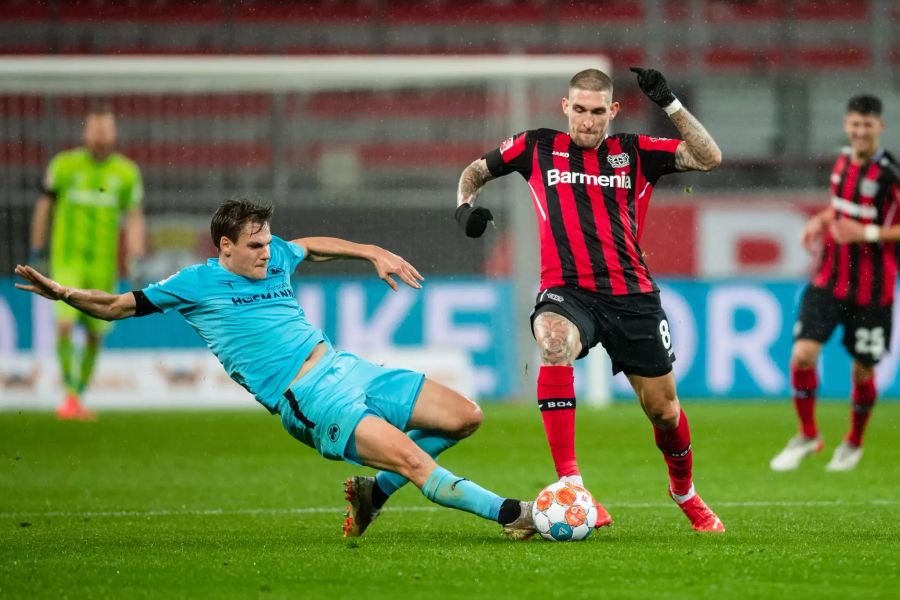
[[242, 304]]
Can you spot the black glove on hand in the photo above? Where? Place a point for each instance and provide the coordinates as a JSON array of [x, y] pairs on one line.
[[654, 85], [473, 220]]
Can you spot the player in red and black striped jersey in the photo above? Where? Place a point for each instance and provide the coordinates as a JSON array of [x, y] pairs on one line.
[[590, 192], [853, 285]]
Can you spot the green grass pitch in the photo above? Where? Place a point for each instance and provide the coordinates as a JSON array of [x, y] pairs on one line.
[[226, 504]]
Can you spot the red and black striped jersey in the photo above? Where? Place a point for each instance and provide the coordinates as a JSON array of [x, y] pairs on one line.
[[865, 273], [590, 204]]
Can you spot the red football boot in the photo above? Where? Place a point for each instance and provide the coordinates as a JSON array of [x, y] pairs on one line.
[[72, 410], [702, 518], [603, 517]]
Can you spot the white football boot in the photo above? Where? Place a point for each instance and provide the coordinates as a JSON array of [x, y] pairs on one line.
[[845, 458], [798, 448]]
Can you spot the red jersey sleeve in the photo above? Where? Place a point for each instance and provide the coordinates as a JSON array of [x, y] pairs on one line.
[[512, 155], [657, 156]]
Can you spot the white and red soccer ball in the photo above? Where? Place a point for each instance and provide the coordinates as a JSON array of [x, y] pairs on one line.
[[564, 512]]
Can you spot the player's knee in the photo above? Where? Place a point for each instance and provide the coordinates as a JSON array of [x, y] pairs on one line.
[[804, 356], [472, 420], [664, 410], [555, 351]]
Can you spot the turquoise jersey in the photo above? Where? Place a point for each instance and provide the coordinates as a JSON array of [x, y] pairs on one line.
[[255, 328]]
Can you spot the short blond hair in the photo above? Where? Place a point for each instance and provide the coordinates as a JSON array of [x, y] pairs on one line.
[[592, 80]]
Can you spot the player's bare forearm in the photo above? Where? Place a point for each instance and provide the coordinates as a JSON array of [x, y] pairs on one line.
[[386, 263], [320, 249], [96, 303], [699, 151], [135, 233], [889, 234], [40, 222], [471, 181]]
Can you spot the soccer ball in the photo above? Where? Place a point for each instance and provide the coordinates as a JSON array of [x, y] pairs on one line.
[[564, 512]]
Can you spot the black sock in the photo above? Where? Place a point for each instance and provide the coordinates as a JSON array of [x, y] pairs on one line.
[[509, 511], [378, 496]]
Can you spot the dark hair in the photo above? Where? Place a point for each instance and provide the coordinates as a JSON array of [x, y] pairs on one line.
[[865, 104], [592, 80], [231, 216], [100, 108]]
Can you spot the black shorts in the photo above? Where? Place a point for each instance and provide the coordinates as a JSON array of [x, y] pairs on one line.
[[867, 329], [633, 329]]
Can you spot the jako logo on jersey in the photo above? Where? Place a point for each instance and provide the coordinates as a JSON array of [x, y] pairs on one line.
[[563, 154], [275, 270], [506, 145], [555, 176], [617, 161]]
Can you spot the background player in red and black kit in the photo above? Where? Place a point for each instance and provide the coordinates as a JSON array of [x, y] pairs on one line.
[[590, 193], [853, 285]]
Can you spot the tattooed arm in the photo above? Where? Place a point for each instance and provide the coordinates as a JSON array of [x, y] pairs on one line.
[[698, 151], [471, 181]]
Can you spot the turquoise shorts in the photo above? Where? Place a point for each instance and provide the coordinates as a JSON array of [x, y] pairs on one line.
[[323, 408]]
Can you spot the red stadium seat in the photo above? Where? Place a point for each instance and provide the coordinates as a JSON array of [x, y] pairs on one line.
[[26, 10], [454, 155], [224, 154], [174, 11], [748, 10], [834, 57], [278, 11], [590, 10], [23, 154], [833, 10], [464, 11], [743, 58], [431, 103], [174, 106]]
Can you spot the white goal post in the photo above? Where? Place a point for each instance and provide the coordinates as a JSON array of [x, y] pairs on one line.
[[516, 77]]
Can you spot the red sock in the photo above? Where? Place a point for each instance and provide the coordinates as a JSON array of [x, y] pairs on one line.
[[863, 400], [805, 382], [676, 448], [556, 399]]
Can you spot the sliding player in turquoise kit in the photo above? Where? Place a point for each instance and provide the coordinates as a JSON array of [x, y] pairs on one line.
[[242, 304]]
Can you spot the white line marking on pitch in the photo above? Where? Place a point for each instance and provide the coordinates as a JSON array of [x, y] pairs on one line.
[[314, 510]]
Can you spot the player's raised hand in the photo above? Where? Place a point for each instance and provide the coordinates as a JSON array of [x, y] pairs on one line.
[[40, 284], [473, 220], [654, 86], [387, 264]]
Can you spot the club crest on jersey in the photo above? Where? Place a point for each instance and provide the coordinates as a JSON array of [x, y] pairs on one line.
[[506, 145], [617, 161], [555, 176], [868, 188]]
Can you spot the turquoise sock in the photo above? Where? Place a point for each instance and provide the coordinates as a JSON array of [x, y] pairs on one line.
[[446, 489], [430, 442]]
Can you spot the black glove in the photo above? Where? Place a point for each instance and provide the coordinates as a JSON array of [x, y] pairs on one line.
[[654, 85], [473, 220]]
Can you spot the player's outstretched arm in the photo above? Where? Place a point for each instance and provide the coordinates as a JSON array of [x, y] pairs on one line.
[[473, 220], [102, 305], [698, 151], [386, 263]]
